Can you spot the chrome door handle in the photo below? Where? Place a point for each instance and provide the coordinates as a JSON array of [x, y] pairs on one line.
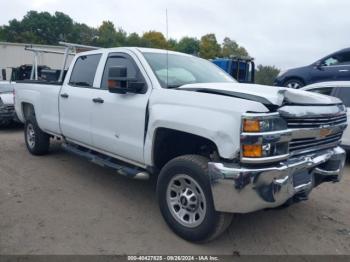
[[98, 100], [343, 70], [64, 95]]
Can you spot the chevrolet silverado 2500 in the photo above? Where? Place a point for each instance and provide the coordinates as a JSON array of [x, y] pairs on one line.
[[216, 147]]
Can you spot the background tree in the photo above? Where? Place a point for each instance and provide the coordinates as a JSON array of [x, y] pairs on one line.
[[209, 47], [265, 75], [134, 39], [83, 34], [172, 44], [44, 28], [231, 48], [107, 34], [154, 39], [188, 45]]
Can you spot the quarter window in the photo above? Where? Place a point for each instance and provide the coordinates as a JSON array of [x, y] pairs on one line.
[[84, 70]]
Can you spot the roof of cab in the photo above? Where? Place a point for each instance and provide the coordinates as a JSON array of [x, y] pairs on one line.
[[134, 49]]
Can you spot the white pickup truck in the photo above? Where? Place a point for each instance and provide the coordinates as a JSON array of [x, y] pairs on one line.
[[216, 147]]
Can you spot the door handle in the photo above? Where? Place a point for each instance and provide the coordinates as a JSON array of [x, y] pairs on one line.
[[64, 95], [343, 70], [98, 100]]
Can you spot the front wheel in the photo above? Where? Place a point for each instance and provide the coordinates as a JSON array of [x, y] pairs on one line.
[[37, 141], [185, 199], [294, 84]]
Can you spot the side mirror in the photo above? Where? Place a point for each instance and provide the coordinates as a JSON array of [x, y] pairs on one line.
[[318, 65], [120, 83]]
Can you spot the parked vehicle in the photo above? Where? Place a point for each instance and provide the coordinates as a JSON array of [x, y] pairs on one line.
[[215, 148], [334, 67], [7, 109], [241, 69], [341, 90]]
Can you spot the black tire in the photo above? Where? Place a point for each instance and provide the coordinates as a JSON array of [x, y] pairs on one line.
[[39, 143], [196, 167], [294, 83]]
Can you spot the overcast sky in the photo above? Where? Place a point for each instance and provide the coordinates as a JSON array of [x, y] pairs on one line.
[[285, 33]]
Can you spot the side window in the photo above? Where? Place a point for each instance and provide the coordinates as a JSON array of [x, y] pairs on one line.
[[338, 59], [344, 95], [84, 70], [117, 59], [324, 91]]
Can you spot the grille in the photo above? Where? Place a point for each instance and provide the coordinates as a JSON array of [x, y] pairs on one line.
[[303, 145], [316, 122]]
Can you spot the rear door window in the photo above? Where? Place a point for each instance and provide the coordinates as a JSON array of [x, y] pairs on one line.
[[84, 70]]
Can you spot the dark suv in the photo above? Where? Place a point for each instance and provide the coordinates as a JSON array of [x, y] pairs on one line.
[[334, 67]]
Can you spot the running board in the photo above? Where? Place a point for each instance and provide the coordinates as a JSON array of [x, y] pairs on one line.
[[107, 161]]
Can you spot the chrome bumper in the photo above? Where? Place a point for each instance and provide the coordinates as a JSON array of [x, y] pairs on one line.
[[239, 189]]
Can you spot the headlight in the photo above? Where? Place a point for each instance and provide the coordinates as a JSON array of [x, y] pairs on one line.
[[264, 138], [263, 123]]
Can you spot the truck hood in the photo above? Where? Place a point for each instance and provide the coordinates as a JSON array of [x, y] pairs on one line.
[[267, 95]]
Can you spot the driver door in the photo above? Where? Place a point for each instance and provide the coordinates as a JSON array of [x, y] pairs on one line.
[[118, 120]]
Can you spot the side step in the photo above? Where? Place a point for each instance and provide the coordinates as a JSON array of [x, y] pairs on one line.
[[107, 161]]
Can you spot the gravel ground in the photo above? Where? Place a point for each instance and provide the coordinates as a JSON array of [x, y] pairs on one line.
[[62, 204]]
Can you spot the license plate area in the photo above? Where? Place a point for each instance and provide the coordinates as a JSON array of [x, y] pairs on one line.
[[302, 178]]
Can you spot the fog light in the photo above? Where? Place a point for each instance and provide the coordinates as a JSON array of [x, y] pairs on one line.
[[252, 151]]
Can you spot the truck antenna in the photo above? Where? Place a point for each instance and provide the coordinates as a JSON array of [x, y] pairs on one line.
[[167, 48]]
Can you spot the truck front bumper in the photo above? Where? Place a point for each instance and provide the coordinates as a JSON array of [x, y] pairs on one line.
[[238, 189]]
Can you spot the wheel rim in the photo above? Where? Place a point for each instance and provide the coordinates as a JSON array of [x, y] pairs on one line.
[[186, 200], [30, 136], [294, 85]]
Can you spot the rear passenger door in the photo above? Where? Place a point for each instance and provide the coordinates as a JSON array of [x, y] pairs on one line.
[[75, 99]]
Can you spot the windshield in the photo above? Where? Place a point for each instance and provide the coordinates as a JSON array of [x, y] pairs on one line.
[[183, 69]]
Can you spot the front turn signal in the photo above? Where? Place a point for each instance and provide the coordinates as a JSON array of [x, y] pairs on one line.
[[252, 151], [251, 125]]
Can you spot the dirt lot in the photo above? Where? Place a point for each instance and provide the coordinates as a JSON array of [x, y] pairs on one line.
[[62, 204]]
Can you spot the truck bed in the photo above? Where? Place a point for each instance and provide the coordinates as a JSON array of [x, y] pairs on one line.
[[44, 96]]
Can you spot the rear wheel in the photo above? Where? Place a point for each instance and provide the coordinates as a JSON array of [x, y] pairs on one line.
[[37, 141], [294, 83], [185, 199]]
